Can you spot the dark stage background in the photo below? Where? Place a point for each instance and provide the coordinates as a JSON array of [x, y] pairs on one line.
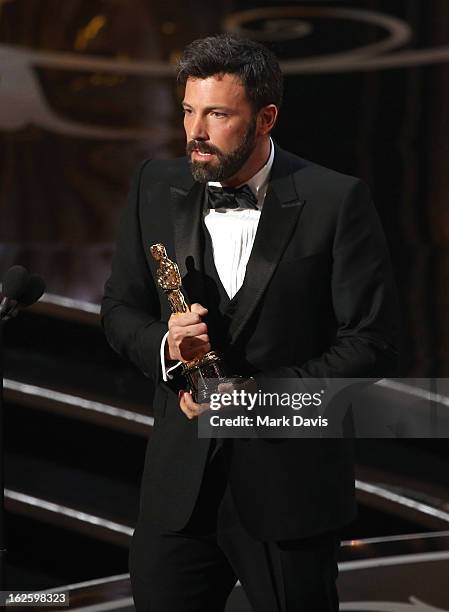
[[86, 93]]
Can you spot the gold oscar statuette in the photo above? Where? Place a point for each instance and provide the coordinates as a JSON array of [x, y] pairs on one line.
[[201, 372]]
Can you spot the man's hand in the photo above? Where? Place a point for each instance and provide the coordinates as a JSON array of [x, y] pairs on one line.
[[187, 335], [190, 408]]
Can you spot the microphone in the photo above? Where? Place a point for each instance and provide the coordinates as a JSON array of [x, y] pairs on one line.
[[20, 288], [34, 291]]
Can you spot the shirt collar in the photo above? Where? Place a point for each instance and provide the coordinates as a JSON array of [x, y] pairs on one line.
[[257, 183]]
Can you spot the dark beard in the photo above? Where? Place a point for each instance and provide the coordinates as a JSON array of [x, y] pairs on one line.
[[228, 164]]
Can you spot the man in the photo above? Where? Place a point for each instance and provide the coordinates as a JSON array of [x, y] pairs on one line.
[[286, 266]]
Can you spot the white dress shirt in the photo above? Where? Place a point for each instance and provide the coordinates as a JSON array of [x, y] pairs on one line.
[[232, 233]]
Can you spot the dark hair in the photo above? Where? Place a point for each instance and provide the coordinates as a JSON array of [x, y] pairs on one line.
[[256, 66]]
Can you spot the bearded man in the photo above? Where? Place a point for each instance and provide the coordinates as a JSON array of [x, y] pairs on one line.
[[287, 269]]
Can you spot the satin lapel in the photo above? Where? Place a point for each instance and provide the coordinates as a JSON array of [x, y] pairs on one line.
[[187, 215], [277, 222]]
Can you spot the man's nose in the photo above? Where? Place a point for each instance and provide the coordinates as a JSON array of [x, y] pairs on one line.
[[198, 130]]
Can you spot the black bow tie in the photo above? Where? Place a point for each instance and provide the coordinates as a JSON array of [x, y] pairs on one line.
[[228, 197]]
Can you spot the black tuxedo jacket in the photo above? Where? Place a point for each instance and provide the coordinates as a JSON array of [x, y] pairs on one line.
[[318, 300]]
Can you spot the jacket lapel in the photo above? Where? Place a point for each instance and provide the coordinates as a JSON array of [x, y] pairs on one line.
[[187, 203], [277, 223]]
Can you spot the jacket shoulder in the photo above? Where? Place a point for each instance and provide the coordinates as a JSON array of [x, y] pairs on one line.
[[321, 183], [320, 176]]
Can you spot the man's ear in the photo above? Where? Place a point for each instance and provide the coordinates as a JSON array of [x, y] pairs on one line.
[[266, 118]]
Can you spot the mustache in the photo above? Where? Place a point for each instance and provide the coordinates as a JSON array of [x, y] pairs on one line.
[[198, 145]]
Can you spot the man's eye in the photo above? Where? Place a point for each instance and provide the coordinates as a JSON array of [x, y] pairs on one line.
[[218, 114], [186, 111]]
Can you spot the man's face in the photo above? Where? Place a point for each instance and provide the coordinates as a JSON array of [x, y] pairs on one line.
[[220, 127]]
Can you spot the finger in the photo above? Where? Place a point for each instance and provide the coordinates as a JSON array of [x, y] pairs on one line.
[[198, 309], [181, 320], [193, 406], [188, 400], [179, 335], [183, 404], [192, 409], [192, 331], [189, 407]]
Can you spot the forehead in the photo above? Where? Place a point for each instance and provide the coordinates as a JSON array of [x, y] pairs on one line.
[[226, 89]]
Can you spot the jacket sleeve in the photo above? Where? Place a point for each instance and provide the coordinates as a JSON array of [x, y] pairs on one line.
[[363, 298], [130, 310]]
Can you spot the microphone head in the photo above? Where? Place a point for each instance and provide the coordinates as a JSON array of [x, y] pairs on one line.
[[15, 282], [33, 291]]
